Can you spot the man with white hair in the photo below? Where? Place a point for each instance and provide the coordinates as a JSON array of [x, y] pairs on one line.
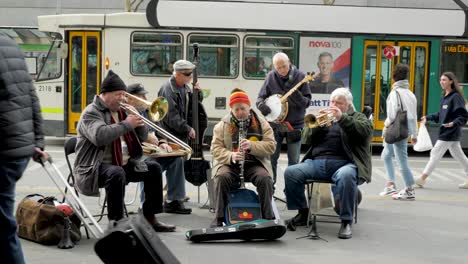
[[279, 81], [341, 153]]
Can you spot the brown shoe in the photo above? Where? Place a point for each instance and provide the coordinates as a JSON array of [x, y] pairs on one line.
[[162, 227]]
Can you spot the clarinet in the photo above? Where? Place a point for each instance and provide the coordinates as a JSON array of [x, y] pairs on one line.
[[241, 137]]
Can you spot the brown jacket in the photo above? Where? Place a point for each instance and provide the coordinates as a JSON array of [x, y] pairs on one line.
[[221, 145]]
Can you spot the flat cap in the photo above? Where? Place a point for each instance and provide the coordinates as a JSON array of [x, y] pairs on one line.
[[136, 88], [183, 65]]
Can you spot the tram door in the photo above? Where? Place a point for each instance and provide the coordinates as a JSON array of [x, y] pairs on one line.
[[378, 70], [83, 73]]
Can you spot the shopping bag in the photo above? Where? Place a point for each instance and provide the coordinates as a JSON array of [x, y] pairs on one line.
[[424, 142]]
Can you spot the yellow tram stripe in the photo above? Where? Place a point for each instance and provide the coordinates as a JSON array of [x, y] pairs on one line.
[[52, 110]]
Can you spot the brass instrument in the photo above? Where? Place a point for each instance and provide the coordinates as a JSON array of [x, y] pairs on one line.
[[157, 109], [325, 118]]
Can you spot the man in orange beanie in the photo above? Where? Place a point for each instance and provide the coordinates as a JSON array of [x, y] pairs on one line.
[[257, 147]]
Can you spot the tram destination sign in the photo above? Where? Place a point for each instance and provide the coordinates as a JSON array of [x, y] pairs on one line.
[[455, 48]]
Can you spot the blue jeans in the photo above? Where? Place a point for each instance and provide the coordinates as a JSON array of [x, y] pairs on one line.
[[10, 247], [400, 150], [175, 178], [294, 152], [341, 172]]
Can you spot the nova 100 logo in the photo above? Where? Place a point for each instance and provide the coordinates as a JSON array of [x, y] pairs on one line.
[[325, 44]]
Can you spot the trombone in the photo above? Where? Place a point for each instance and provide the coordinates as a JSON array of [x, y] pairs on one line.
[[325, 118], [157, 110]]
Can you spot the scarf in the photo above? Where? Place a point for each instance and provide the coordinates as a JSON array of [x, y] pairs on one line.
[[253, 133], [130, 139]]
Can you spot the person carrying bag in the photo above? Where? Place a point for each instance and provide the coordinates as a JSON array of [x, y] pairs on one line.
[[400, 124]]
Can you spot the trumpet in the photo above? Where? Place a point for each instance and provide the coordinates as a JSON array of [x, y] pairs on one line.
[[154, 110], [157, 109], [325, 118]]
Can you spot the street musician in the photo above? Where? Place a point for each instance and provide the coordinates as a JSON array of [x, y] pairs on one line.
[[258, 145], [280, 81], [174, 166], [339, 152], [108, 154]]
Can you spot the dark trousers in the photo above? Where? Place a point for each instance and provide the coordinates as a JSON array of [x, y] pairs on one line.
[[10, 247], [227, 178], [114, 178]]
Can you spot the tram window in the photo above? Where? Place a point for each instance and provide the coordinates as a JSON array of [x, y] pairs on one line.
[[50, 66], [219, 55], [154, 53], [455, 59], [259, 52]]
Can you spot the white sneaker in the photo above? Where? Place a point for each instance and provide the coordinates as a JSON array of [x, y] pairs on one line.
[[463, 185], [420, 182], [388, 190], [405, 195]]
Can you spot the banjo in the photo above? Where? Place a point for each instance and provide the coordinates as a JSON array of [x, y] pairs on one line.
[[279, 103]]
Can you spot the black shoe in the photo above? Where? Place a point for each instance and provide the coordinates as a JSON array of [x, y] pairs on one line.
[[217, 222], [345, 231], [176, 207], [299, 220], [162, 227]]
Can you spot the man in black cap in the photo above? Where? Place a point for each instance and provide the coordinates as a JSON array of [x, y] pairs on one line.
[[108, 154], [174, 166]]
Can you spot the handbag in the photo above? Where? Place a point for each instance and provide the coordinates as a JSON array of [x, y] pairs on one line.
[[398, 129], [39, 220], [424, 142]]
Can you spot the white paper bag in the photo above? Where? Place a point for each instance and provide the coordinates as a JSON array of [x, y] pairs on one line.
[[424, 142]]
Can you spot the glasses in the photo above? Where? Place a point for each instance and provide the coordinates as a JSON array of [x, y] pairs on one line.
[[187, 73]]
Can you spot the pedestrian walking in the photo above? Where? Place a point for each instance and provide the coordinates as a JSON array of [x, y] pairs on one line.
[[21, 137], [452, 116], [399, 98]]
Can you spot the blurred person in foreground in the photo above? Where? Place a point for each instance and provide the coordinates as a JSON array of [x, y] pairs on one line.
[[21, 137]]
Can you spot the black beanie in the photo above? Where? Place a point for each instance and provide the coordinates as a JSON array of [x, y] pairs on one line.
[[112, 83]]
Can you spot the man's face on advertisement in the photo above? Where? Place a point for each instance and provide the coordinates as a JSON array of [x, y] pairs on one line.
[[325, 65]]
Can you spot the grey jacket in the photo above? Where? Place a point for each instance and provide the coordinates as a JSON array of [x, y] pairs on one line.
[[95, 135], [20, 112]]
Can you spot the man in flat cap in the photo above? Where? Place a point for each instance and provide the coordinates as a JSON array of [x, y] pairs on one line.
[[179, 95], [174, 166], [108, 154]]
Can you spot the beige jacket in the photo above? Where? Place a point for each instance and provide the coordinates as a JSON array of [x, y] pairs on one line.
[[221, 145]]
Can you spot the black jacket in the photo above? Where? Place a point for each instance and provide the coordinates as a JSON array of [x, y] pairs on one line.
[[176, 120], [452, 109], [20, 112], [297, 101]]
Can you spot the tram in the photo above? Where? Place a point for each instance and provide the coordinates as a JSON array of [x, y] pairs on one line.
[[237, 41]]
